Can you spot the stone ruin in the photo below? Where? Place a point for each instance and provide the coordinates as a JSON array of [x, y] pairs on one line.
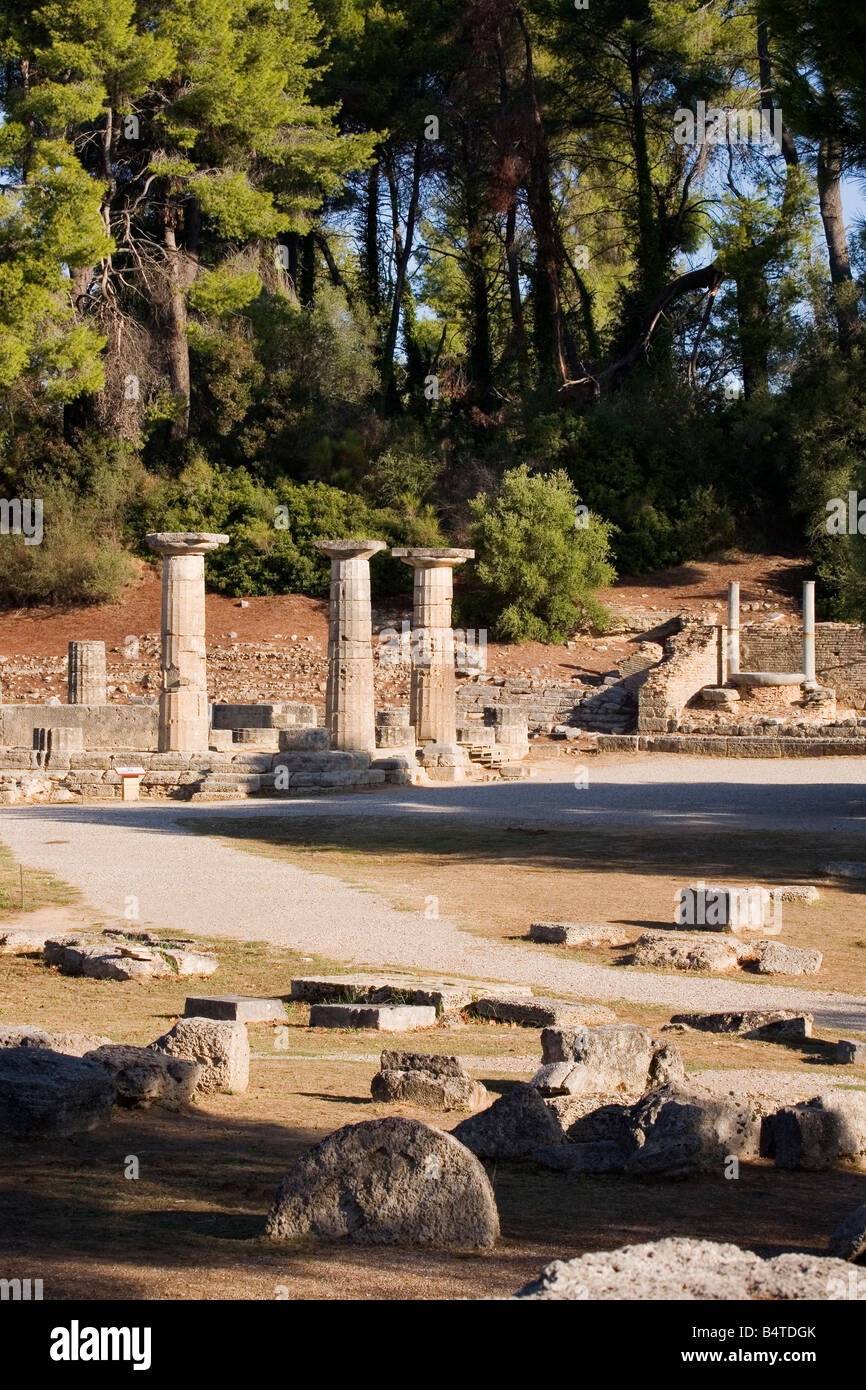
[[183, 746]]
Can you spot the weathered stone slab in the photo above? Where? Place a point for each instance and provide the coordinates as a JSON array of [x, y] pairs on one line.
[[304, 740], [817, 1133], [382, 1018], [580, 934], [110, 727], [681, 951], [851, 1052], [535, 1013], [774, 958], [388, 1182], [144, 1077], [514, 1126], [73, 1044], [680, 1268], [683, 1128], [100, 961], [49, 1095], [340, 989], [772, 1025], [221, 1048], [237, 1008], [611, 1059], [119, 960], [435, 1083]]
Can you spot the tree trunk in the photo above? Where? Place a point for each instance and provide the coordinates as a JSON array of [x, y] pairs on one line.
[[181, 256], [549, 331], [830, 200], [402, 254], [370, 250]]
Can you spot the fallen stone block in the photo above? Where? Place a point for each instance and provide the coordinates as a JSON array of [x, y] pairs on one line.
[[579, 934], [676, 951], [848, 1241], [607, 1059], [817, 1133], [851, 1052], [388, 1182], [536, 1013], [434, 1082], [382, 1018], [514, 1126], [144, 1077], [98, 961], [446, 997], [220, 1047], [190, 962], [680, 1268], [73, 1044], [773, 958], [771, 1025], [236, 1008], [50, 1095], [21, 941], [117, 960], [683, 1129]]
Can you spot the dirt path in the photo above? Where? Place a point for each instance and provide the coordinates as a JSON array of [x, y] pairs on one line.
[[140, 860]]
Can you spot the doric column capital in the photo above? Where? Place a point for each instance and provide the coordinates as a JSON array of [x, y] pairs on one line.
[[184, 542], [433, 557], [349, 550]]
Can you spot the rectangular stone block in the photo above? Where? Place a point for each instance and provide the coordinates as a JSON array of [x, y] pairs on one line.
[[851, 1052], [304, 740], [236, 1008], [103, 726], [381, 1018]]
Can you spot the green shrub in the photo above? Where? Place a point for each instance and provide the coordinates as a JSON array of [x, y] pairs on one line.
[[537, 568]]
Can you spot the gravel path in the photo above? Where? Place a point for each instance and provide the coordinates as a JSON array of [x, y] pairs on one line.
[[139, 856]]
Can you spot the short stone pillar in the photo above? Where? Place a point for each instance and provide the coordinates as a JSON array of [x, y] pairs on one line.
[[432, 707], [85, 673], [349, 707], [393, 729], [183, 706], [510, 726]]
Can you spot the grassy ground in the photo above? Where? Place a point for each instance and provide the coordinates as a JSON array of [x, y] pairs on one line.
[[27, 890], [190, 1226], [495, 881]]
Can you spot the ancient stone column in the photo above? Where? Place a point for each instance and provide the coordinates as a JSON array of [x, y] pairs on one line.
[[349, 702], [809, 629], [432, 709], [733, 639], [183, 712], [85, 673]]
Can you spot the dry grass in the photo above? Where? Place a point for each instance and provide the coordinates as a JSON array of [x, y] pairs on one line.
[[191, 1225]]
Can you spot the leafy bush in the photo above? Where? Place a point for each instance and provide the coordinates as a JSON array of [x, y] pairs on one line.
[[538, 568]]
